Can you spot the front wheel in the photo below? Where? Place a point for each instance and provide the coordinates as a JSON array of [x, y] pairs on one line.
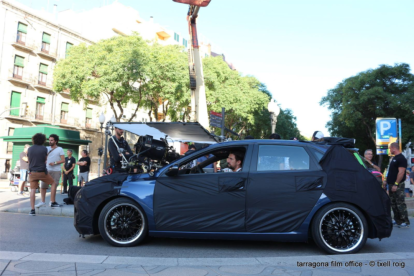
[[339, 228], [122, 222]]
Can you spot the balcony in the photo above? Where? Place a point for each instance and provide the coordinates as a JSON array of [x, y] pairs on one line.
[[40, 118], [68, 122], [45, 86], [48, 54], [24, 79], [24, 44]]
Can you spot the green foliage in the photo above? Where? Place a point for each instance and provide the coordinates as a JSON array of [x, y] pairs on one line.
[[245, 100], [116, 67], [286, 125], [358, 101], [168, 83]]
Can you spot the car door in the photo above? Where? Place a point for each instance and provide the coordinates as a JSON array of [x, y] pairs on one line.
[[204, 202], [284, 184]]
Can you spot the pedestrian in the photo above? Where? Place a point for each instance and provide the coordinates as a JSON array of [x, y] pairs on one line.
[[37, 155], [24, 167], [274, 136], [115, 156], [412, 180], [55, 157], [407, 183], [84, 165], [204, 158], [395, 180], [193, 163], [68, 170], [368, 155], [317, 136]]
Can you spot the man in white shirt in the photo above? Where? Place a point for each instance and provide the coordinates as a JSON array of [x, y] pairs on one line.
[[234, 162], [55, 157]]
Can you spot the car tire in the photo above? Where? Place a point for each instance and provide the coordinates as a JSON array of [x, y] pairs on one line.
[[339, 228], [123, 223]]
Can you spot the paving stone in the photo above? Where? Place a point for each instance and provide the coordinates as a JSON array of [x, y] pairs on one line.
[[8, 255], [182, 271], [241, 270], [386, 271], [88, 266], [3, 264], [65, 257], [216, 261], [141, 261], [408, 255], [32, 266], [56, 211], [293, 261]]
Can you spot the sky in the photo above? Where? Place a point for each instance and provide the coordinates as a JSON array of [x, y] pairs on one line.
[[299, 48]]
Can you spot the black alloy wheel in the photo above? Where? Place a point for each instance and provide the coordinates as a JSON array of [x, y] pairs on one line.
[[339, 228], [122, 222]]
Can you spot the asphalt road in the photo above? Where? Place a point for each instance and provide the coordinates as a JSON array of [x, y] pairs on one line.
[[47, 234]]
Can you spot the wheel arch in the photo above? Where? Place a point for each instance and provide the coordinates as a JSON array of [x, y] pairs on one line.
[[371, 227], [101, 206]]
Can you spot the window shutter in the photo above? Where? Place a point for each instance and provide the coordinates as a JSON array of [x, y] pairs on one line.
[[22, 28], [41, 100], [43, 68], [46, 38], [15, 102], [19, 61], [65, 107], [89, 113], [68, 46]]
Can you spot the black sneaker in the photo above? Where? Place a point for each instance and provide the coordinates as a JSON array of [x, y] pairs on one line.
[[32, 212], [55, 204]]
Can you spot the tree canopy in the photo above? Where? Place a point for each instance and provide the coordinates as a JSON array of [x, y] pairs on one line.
[[115, 67], [358, 101]]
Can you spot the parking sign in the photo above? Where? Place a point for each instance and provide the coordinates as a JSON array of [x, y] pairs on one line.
[[385, 128]]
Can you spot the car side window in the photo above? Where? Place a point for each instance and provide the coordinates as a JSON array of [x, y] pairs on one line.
[[282, 158], [317, 154]]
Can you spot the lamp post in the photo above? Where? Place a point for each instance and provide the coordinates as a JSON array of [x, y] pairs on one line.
[[100, 150], [274, 110]]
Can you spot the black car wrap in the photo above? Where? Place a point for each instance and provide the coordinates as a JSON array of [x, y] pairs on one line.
[[350, 182], [91, 196]]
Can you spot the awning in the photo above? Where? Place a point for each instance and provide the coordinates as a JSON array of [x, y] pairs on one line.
[[176, 131]]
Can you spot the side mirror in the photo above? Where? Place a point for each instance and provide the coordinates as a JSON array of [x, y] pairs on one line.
[[172, 171]]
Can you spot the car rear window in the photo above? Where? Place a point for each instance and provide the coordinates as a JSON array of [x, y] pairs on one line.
[[282, 158]]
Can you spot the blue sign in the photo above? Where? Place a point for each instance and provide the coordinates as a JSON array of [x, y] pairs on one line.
[[386, 128]]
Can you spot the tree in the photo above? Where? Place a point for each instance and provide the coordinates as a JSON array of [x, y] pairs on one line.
[[286, 125], [358, 101], [116, 67], [167, 85]]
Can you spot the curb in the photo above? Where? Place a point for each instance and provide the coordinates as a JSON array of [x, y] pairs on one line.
[[364, 258]]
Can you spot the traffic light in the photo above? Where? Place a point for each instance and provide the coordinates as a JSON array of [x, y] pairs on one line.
[[26, 110]]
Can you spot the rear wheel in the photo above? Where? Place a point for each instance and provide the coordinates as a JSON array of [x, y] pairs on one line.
[[339, 228], [122, 222]]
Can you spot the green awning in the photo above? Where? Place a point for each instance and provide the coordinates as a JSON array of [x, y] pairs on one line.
[[43, 68], [19, 61], [46, 38], [22, 28], [65, 107], [89, 113], [41, 100]]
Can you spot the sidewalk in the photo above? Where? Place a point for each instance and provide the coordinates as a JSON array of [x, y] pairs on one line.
[[10, 202], [19, 263]]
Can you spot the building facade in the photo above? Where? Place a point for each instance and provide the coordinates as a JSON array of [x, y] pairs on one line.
[[31, 46]]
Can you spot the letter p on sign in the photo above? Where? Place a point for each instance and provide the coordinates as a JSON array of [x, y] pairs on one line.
[[384, 126]]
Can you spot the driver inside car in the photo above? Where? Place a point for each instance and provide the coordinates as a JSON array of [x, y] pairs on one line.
[[234, 162]]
